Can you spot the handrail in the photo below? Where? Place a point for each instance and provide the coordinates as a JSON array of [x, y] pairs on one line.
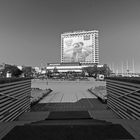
[[128, 93], [9, 96]]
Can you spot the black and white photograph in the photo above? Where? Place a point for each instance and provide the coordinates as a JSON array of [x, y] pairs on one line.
[[69, 69]]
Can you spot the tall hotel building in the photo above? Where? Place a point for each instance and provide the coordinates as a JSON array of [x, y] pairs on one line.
[[78, 50], [80, 46]]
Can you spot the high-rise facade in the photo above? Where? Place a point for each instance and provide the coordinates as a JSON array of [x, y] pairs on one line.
[[80, 46]]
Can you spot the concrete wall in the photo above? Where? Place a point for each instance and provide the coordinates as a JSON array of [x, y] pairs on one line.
[[124, 97], [14, 98]]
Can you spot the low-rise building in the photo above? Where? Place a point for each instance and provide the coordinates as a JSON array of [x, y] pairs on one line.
[[65, 67]]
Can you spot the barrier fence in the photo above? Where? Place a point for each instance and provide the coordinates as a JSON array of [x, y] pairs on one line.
[[124, 97], [14, 97]]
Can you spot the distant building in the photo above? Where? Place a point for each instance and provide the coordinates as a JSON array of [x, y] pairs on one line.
[[65, 67], [78, 50], [8, 74], [80, 46], [38, 70]]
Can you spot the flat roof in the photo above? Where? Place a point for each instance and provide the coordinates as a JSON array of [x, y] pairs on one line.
[[82, 31], [64, 64]]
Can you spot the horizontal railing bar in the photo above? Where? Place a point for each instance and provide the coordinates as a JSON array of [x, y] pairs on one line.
[[14, 89], [126, 87], [12, 106], [14, 83], [132, 105], [123, 108], [129, 93], [123, 83], [9, 96], [13, 86], [14, 110], [15, 93], [122, 112]]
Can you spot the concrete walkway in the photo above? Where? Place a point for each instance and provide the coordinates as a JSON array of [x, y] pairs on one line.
[[67, 91]]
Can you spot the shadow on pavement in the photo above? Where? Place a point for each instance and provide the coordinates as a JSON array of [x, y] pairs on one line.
[[83, 104]]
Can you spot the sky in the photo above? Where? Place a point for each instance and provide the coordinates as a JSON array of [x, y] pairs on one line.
[[30, 30]]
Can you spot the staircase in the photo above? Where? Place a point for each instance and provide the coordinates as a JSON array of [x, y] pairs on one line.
[[68, 125]]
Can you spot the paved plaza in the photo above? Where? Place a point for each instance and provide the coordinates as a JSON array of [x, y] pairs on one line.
[[67, 91]]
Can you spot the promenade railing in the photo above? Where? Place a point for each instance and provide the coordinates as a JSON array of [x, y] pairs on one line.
[[124, 96], [14, 97]]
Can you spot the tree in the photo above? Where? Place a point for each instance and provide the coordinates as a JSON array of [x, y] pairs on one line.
[[105, 70], [34, 73], [49, 74], [83, 73], [27, 71], [14, 70], [91, 70], [55, 70]]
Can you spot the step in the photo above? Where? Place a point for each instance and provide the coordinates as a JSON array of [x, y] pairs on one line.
[[69, 115], [6, 127], [33, 116], [71, 122], [68, 132]]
